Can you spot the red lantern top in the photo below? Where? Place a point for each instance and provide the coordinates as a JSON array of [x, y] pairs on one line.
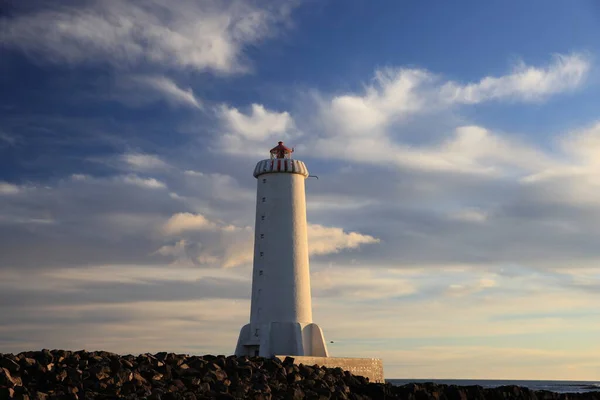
[[280, 151]]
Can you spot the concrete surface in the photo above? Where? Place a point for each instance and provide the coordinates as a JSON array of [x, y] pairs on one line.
[[371, 368]]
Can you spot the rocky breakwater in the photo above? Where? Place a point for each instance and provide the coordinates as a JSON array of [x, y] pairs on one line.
[[59, 374]]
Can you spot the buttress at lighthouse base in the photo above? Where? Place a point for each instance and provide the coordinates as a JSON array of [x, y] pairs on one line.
[[281, 306]]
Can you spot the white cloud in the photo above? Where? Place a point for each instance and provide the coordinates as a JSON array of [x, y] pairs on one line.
[[79, 177], [255, 132], [469, 215], [4, 219], [259, 124], [393, 95], [66, 278], [396, 94], [467, 289], [168, 90], [129, 179], [182, 222], [327, 240], [525, 83], [149, 183], [573, 177], [470, 150], [190, 172], [200, 35], [376, 125], [583, 146], [205, 241], [143, 161], [9, 188]]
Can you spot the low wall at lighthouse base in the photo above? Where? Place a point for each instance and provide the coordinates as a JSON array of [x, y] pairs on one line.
[[371, 368]]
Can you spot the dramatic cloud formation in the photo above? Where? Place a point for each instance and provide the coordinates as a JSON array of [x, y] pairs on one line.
[[235, 246], [397, 93], [201, 35], [360, 126]]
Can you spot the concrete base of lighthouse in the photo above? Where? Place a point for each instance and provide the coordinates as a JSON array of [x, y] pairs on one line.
[[293, 338], [371, 368]]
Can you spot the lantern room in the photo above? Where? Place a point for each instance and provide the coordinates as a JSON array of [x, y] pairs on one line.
[[280, 151]]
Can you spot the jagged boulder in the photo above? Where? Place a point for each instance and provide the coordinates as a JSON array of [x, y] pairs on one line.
[[82, 375]]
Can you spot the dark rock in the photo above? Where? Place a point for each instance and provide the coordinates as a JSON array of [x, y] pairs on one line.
[[306, 371], [115, 365], [44, 357], [155, 395], [39, 396], [6, 393], [6, 379], [176, 385], [26, 362], [138, 379], [293, 376], [204, 387], [81, 375], [288, 361], [297, 393], [11, 365], [244, 371]]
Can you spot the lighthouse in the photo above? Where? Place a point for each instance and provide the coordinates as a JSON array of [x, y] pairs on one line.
[[281, 307]]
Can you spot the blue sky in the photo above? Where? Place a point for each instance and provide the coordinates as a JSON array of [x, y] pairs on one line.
[[454, 227]]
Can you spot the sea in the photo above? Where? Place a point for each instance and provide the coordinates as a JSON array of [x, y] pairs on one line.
[[553, 386]]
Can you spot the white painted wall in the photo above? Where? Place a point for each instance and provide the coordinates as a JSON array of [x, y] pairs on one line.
[[281, 277]]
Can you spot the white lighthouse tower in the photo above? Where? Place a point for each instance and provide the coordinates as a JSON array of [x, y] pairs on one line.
[[281, 309]]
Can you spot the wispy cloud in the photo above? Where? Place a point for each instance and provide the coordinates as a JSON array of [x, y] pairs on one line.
[[525, 83], [200, 35], [143, 161], [9, 188], [398, 93], [468, 150], [7, 139], [182, 222], [148, 183], [259, 124], [259, 128], [166, 89], [394, 94]]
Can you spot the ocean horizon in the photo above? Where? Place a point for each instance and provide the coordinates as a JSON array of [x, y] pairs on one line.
[[553, 386]]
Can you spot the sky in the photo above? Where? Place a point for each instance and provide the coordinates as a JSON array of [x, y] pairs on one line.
[[454, 230]]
